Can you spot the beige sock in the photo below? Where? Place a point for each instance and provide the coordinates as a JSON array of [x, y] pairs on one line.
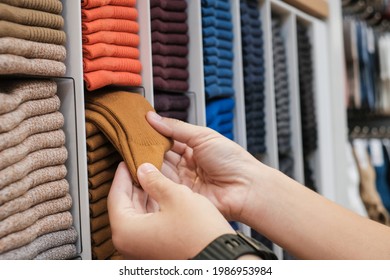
[[50, 6], [63, 252]]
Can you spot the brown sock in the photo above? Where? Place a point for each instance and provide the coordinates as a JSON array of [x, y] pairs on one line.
[[43, 226], [91, 129], [99, 192], [29, 127], [100, 236], [117, 256], [102, 177], [34, 161], [15, 92], [99, 222], [100, 153], [27, 110], [39, 194], [103, 251], [120, 116], [45, 140], [96, 141], [50, 6], [28, 217], [97, 208], [35, 178], [107, 162], [31, 17], [63, 252], [36, 34]]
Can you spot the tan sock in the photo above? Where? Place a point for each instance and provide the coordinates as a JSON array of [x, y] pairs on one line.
[[99, 222], [97, 208], [107, 162], [102, 177], [101, 235], [103, 251], [91, 129], [96, 141], [50, 6], [100, 153], [99, 192], [120, 116]]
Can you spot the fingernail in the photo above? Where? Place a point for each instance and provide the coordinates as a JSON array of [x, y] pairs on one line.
[[146, 168], [155, 116]]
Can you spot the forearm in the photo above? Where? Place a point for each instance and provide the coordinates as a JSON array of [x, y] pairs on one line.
[[310, 226]]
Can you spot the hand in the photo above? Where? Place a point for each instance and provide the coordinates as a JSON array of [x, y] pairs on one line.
[[209, 164], [165, 220]]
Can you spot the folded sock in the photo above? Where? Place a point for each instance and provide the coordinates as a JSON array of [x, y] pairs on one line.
[[112, 64], [45, 140], [170, 39], [99, 207], [135, 140], [170, 73], [211, 31], [96, 141], [101, 78], [34, 196], [114, 12], [167, 16], [99, 192], [30, 17], [109, 50], [13, 64], [41, 244], [99, 222], [176, 5], [169, 27], [50, 6], [221, 53], [217, 23], [32, 33], [112, 37], [108, 24], [29, 127], [48, 224], [161, 49], [102, 177], [216, 91], [96, 167], [89, 4], [100, 153], [103, 251], [167, 102], [218, 4], [220, 119], [91, 129], [13, 93], [220, 43], [34, 161], [217, 107], [35, 178], [180, 115], [170, 61], [170, 84], [28, 109], [63, 252], [101, 235]]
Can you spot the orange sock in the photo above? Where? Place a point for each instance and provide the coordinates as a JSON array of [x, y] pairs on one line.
[[88, 4], [102, 49], [111, 37], [102, 78], [112, 64], [116, 12], [108, 24]]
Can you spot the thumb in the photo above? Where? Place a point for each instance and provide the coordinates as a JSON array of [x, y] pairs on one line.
[[159, 187]]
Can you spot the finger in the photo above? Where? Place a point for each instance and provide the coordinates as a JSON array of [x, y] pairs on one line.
[[192, 135], [139, 200]]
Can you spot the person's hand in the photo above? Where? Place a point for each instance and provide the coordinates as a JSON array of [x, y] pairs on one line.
[[209, 164], [164, 220]]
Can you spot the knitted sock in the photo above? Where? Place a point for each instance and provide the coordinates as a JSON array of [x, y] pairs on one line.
[[29, 127], [96, 167], [50, 6], [99, 222], [218, 23], [114, 12], [180, 115], [102, 177], [169, 27], [43, 226], [88, 4], [91, 129], [217, 107], [26, 218], [100, 153], [28, 109], [41, 244], [99, 207], [34, 161], [99, 192], [170, 85], [98, 79], [177, 5], [30, 17], [166, 102], [170, 39], [29, 49], [39, 194], [109, 50], [169, 16], [170, 61], [170, 73], [13, 64], [117, 256], [161, 49], [111, 37], [32, 33], [112, 64], [96, 141], [63, 252], [35, 178], [135, 140], [108, 24], [15, 92], [103, 251], [100, 236], [211, 31], [52, 139], [215, 91]]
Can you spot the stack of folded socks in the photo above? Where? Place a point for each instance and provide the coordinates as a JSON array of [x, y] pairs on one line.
[[35, 203], [253, 60], [308, 113], [110, 43], [31, 38], [170, 49], [282, 99], [218, 64]]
